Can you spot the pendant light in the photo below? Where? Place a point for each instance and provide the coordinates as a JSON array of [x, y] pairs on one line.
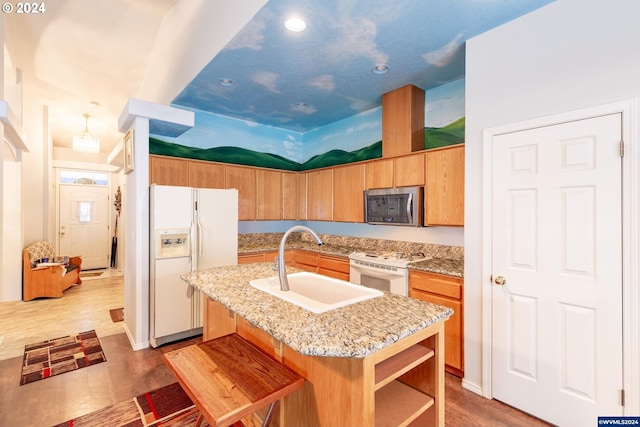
[[85, 142]]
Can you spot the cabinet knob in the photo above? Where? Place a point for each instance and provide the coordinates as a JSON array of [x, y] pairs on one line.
[[500, 280]]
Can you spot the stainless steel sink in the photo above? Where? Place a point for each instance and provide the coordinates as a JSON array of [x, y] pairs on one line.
[[315, 292]]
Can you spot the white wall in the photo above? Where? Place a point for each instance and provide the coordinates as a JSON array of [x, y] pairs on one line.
[[567, 56], [186, 43]]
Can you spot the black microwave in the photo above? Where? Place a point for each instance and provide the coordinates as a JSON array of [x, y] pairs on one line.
[[394, 206]]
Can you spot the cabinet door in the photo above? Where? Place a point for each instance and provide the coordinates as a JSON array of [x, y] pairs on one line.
[[348, 187], [244, 180], [289, 195], [206, 174], [408, 170], [379, 174], [218, 320], [268, 194], [168, 171], [333, 266], [320, 195], [306, 260], [453, 354], [444, 199], [251, 258], [302, 195]]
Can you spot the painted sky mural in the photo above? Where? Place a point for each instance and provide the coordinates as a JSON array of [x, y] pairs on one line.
[[220, 138]]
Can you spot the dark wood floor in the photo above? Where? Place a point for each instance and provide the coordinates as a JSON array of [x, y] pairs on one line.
[[127, 373]]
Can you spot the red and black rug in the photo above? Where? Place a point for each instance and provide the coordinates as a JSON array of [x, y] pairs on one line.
[[166, 406], [59, 355]]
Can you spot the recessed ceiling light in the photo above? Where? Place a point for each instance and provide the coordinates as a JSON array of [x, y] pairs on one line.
[[295, 24], [301, 105], [226, 82], [380, 69]]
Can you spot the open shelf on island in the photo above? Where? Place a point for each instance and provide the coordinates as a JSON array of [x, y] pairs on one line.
[[398, 404], [393, 367]]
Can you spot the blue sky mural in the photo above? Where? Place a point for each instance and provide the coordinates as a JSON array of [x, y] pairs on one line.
[[310, 79], [443, 105]]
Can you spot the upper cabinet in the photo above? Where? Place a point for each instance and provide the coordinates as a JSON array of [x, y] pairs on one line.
[[268, 194], [408, 170], [320, 195], [244, 180], [289, 195], [348, 186], [444, 198], [402, 121], [206, 175], [403, 171], [168, 171]]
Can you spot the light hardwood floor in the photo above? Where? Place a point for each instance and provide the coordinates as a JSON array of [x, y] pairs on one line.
[[127, 373]]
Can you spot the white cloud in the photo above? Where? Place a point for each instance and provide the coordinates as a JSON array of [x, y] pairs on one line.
[[442, 56], [324, 82], [357, 38], [266, 79]]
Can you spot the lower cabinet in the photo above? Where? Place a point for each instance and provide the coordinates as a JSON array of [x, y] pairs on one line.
[[446, 291], [334, 266]]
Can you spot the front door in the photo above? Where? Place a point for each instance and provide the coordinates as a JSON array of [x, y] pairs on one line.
[[84, 224], [557, 270]]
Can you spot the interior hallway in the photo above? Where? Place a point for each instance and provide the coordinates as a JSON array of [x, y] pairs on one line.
[[127, 373]]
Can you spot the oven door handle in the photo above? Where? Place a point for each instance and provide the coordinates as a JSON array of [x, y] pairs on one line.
[[378, 272]]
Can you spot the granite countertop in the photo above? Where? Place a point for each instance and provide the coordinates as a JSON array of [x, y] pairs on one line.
[[356, 331], [440, 265]]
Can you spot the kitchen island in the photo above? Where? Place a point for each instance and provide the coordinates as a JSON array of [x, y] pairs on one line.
[[376, 362]]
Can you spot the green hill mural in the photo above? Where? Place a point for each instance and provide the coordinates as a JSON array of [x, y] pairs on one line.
[[433, 138], [451, 134]]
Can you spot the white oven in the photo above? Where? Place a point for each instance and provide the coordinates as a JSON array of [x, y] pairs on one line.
[[386, 272]]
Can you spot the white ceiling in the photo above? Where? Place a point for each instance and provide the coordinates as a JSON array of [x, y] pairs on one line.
[[82, 51]]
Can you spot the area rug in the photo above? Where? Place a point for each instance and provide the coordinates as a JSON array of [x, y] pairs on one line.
[[59, 355], [166, 406], [117, 314]]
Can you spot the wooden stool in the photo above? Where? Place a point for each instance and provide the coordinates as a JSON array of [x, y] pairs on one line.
[[228, 379]]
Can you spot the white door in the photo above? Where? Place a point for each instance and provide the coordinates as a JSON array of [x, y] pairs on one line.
[[557, 242], [84, 224]]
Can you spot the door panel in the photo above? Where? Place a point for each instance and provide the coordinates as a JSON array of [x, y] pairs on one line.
[[84, 224], [557, 239]]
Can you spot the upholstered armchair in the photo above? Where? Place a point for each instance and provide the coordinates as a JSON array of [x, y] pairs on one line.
[[47, 279]]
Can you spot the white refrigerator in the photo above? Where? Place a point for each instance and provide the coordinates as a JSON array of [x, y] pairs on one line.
[[190, 229]]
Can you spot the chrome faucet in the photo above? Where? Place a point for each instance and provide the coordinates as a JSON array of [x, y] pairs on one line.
[[279, 261]]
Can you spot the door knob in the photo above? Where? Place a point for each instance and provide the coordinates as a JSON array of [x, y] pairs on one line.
[[500, 280]]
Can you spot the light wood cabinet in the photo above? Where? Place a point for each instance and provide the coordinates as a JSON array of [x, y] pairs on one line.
[[302, 196], [444, 198], [206, 174], [218, 320], [289, 195], [244, 180], [268, 256], [305, 260], [408, 170], [334, 266], [446, 291], [348, 188], [402, 121], [379, 174], [402, 384], [168, 171], [268, 194], [320, 195]]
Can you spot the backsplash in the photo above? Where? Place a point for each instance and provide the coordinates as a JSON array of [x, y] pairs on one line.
[[363, 244]]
